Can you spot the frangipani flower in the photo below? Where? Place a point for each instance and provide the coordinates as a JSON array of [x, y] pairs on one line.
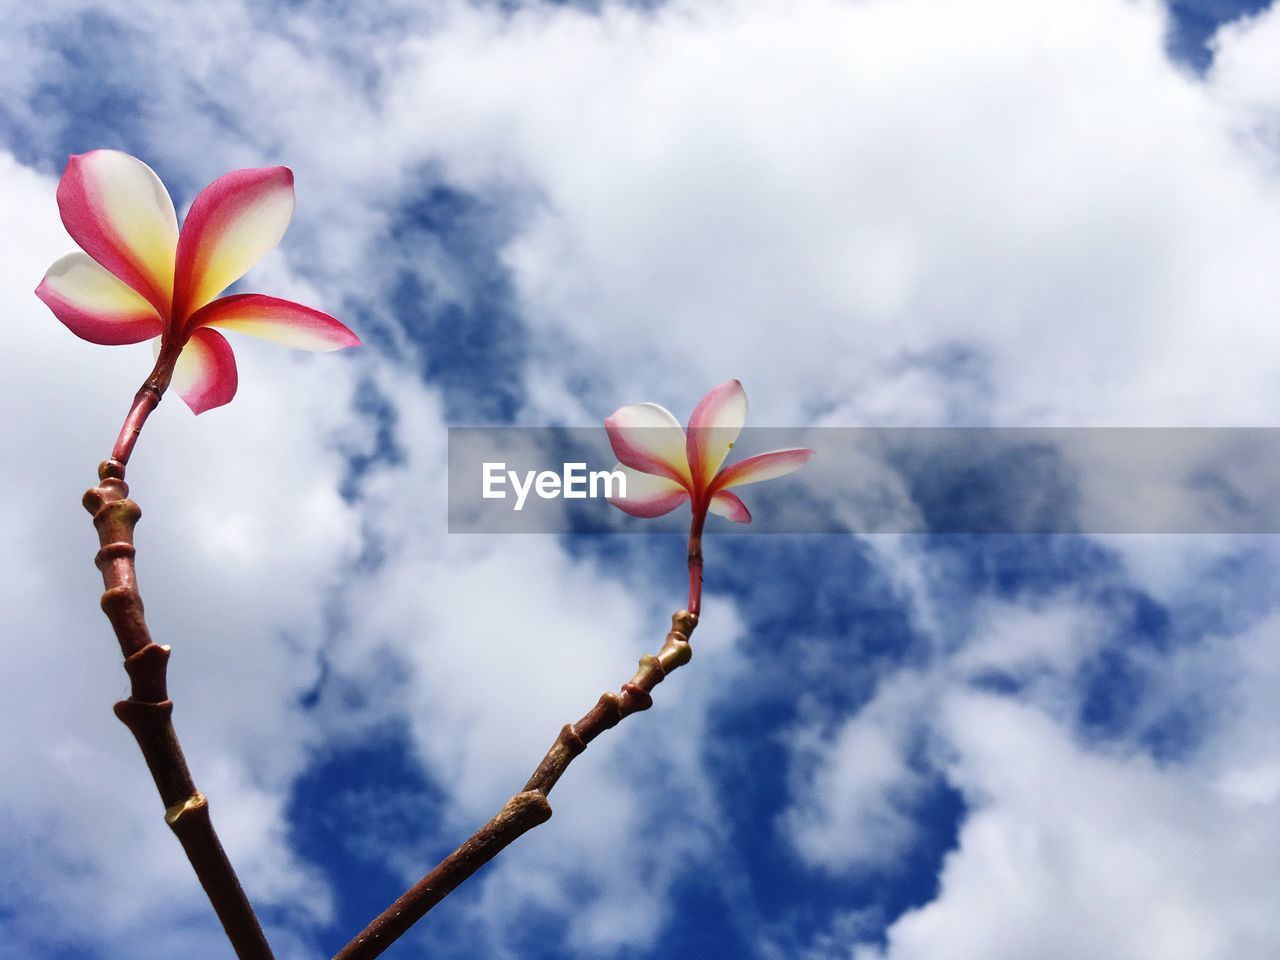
[[664, 466], [139, 277]]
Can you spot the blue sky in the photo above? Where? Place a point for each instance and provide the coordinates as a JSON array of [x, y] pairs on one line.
[[892, 212]]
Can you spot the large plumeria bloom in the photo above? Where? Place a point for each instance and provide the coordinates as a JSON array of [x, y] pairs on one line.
[[139, 278], [665, 466]]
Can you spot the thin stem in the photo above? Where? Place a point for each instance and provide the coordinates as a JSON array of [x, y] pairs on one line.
[[695, 561], [528, 808], [145, 400], [148, 712]]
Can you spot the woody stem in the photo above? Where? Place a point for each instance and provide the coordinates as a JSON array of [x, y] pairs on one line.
[[148, 711], [528, 808]]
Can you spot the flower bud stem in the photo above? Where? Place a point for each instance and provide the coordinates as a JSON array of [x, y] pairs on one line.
[[695, 561], [145, 400]]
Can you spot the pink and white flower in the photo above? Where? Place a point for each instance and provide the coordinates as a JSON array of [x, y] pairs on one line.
[[139, 277], [665, 466]]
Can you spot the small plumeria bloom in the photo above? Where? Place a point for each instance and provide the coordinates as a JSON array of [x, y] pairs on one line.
[[664, 466], [139, 278]]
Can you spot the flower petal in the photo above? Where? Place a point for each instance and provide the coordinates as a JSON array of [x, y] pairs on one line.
[[96, 306], [714, 426], [205, 375], [273, 319], [233, 223], [118, 211], [725, 504], [647, 495], [764, 466], [646, 437]]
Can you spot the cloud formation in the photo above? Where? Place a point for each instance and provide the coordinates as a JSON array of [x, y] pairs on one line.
[[909, 212]]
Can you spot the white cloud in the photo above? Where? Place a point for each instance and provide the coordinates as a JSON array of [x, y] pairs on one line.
[[1054, 636], [1245, 78], [758, 188], [853, 800], [1068, 853], [1068, 847], [855, 791]]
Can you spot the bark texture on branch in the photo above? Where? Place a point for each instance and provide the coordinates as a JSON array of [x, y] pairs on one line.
[[148, 711], [528, 808]]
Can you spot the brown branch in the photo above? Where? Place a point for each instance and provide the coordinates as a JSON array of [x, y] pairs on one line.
[[148, 711], [528, 808]]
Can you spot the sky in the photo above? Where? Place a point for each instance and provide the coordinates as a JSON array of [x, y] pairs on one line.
[[873, 213]]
